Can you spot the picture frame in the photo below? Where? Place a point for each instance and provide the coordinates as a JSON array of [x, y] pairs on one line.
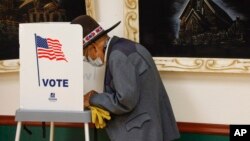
[[181, 64], [12, 65]]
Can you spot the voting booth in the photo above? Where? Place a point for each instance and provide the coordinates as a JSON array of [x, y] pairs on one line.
[[51, 74]]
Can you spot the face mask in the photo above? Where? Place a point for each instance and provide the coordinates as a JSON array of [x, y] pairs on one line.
[[96, 63]]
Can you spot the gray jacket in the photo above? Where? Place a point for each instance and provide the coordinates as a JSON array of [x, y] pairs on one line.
[[135, 96]]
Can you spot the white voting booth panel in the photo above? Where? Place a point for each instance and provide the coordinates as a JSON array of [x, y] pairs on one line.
[[51, 75], [51, 72], [93, 77]]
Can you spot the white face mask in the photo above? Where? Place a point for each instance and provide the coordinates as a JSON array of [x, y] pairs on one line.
[[96, 63]]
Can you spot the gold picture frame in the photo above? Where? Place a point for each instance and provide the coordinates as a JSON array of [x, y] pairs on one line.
[[181, 64], [13, 65]]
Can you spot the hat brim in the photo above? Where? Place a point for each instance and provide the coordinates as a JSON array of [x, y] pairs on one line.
[[100, 34]]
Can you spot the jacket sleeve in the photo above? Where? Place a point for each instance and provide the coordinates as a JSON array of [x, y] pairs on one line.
[[125, 78]]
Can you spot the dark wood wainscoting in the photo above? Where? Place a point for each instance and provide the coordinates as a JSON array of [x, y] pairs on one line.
[[184, 127]]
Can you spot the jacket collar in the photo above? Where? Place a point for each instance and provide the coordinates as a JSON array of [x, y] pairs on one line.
[[110, 48]]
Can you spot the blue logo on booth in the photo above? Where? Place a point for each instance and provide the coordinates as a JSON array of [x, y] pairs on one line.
[[52, 97]]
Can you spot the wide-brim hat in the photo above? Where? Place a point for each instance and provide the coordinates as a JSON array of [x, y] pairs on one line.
[[91, 29]]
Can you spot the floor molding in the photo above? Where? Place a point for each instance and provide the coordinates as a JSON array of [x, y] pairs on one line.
[[203, 128], [184, 127]]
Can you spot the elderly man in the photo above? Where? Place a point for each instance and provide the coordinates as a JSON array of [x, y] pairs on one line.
[[133, 91]]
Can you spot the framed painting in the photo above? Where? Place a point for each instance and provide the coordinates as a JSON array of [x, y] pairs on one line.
[[13, 12], [192, 35]]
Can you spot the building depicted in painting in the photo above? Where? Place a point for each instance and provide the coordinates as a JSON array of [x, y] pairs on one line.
[[14, 12], [43, 11], [203, 22]]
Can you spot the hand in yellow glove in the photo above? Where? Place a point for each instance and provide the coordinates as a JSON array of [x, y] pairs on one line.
[[99, 116]]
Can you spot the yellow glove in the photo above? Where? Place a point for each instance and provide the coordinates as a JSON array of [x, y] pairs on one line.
[[99, 116]]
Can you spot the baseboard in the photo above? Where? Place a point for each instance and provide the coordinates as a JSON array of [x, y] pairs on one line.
[[203, 128], [184, 127]]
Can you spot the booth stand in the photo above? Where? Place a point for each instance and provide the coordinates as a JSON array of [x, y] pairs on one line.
[[52, 116]]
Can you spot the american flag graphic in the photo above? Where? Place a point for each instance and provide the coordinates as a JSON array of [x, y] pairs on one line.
[[49, 48]]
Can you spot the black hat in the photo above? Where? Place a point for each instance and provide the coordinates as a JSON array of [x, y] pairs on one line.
[[91, 29]]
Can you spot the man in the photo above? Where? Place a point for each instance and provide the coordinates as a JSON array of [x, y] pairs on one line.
[[133, 91]]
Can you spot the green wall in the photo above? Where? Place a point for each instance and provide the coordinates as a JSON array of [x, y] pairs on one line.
[[202, 137], [7, 133]]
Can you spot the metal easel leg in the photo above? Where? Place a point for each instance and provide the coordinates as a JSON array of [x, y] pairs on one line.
[[51, 135], [95, 135], [18, 130], [86, 129]]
